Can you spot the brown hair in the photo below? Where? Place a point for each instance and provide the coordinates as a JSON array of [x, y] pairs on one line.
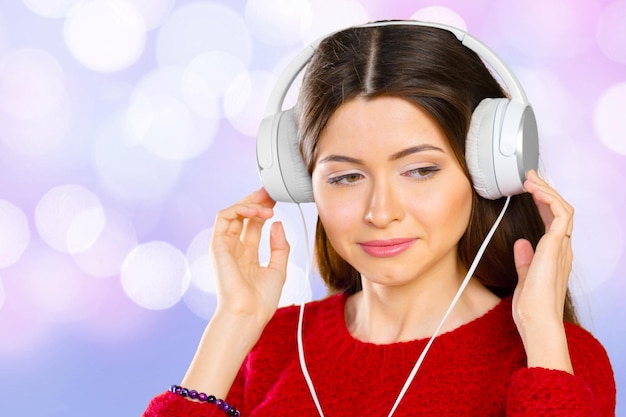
[[432, 69]]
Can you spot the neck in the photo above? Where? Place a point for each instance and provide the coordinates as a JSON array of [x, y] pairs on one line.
[[386, 314]]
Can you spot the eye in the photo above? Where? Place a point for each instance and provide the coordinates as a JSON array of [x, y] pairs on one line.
[[422, 173], [347, 179]]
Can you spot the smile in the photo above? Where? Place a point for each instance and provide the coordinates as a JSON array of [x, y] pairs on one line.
[[387, 248]]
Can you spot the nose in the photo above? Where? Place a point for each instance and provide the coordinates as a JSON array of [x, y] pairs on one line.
[[384, 206]]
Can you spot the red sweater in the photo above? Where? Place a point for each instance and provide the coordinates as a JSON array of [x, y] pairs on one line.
[[479, 369]]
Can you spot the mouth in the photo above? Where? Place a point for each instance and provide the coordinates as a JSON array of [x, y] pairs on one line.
[[387, 248]]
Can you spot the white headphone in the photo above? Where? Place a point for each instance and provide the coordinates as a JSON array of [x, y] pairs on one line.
[[501, 145]]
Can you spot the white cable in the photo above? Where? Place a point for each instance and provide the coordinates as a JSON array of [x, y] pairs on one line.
[[417, 365], [307, 269]]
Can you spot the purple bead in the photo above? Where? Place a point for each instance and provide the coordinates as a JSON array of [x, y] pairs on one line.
[[184, 392], [193, 394], [202, 396], [222, 405]]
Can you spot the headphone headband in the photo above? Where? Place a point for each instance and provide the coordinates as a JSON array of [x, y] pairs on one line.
[[294, 68]]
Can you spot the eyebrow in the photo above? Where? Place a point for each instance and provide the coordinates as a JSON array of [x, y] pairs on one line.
[[398, 155]]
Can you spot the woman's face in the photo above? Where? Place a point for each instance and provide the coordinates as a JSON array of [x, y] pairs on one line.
[[391, 195]]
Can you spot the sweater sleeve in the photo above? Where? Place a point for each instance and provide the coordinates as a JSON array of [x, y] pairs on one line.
[[590, 392]]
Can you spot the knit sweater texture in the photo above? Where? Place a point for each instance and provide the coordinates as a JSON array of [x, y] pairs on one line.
[[478, 369]]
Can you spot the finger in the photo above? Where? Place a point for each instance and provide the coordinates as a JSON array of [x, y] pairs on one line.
[[253, 228], [279, 249], [261, 197], [556, 213], [230, 221], [523, 254]]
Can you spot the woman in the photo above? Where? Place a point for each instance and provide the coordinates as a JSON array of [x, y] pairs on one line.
[[382, 116]]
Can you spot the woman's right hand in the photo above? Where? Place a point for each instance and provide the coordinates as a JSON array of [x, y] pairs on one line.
[[244, 287], [247, 293]]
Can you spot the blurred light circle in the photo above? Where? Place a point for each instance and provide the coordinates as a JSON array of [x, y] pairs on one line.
[[69, 218], [199, 261], [154, 12], [127, 169], [85, 229], [195, 28], [105, 257], [611, 31], [609, 120], [105, 35], [154, 275], [160, 120], [162, 80], [278, 22], [440, 14], [329, 15], [50, 8], [201, 274], [31, 83], [14, 233], [199, 246], [206, 79], [246, 99], [162, 124]]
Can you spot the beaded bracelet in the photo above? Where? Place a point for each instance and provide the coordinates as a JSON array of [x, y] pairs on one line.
[[202, 397]]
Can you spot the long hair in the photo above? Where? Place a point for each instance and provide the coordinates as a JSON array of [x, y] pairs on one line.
[[432, 69]]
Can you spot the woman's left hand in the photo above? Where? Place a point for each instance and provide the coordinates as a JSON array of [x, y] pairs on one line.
[[543, 274]]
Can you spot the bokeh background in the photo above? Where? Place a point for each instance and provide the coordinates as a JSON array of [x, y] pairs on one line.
[[126, 124]]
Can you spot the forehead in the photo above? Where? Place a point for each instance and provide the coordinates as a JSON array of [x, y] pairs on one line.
[[381, 125]]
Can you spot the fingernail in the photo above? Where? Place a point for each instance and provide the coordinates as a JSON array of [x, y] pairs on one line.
[[532, 175]]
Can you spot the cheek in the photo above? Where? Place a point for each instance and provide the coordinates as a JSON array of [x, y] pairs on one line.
[[455, 207], [338, 215], [446, 206], [335, 215]]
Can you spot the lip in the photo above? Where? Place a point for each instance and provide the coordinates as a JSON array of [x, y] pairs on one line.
[[388, 247]]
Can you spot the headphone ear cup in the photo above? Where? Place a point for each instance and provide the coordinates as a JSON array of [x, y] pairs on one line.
[[502, 145], [283, 172], [483, 130]]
